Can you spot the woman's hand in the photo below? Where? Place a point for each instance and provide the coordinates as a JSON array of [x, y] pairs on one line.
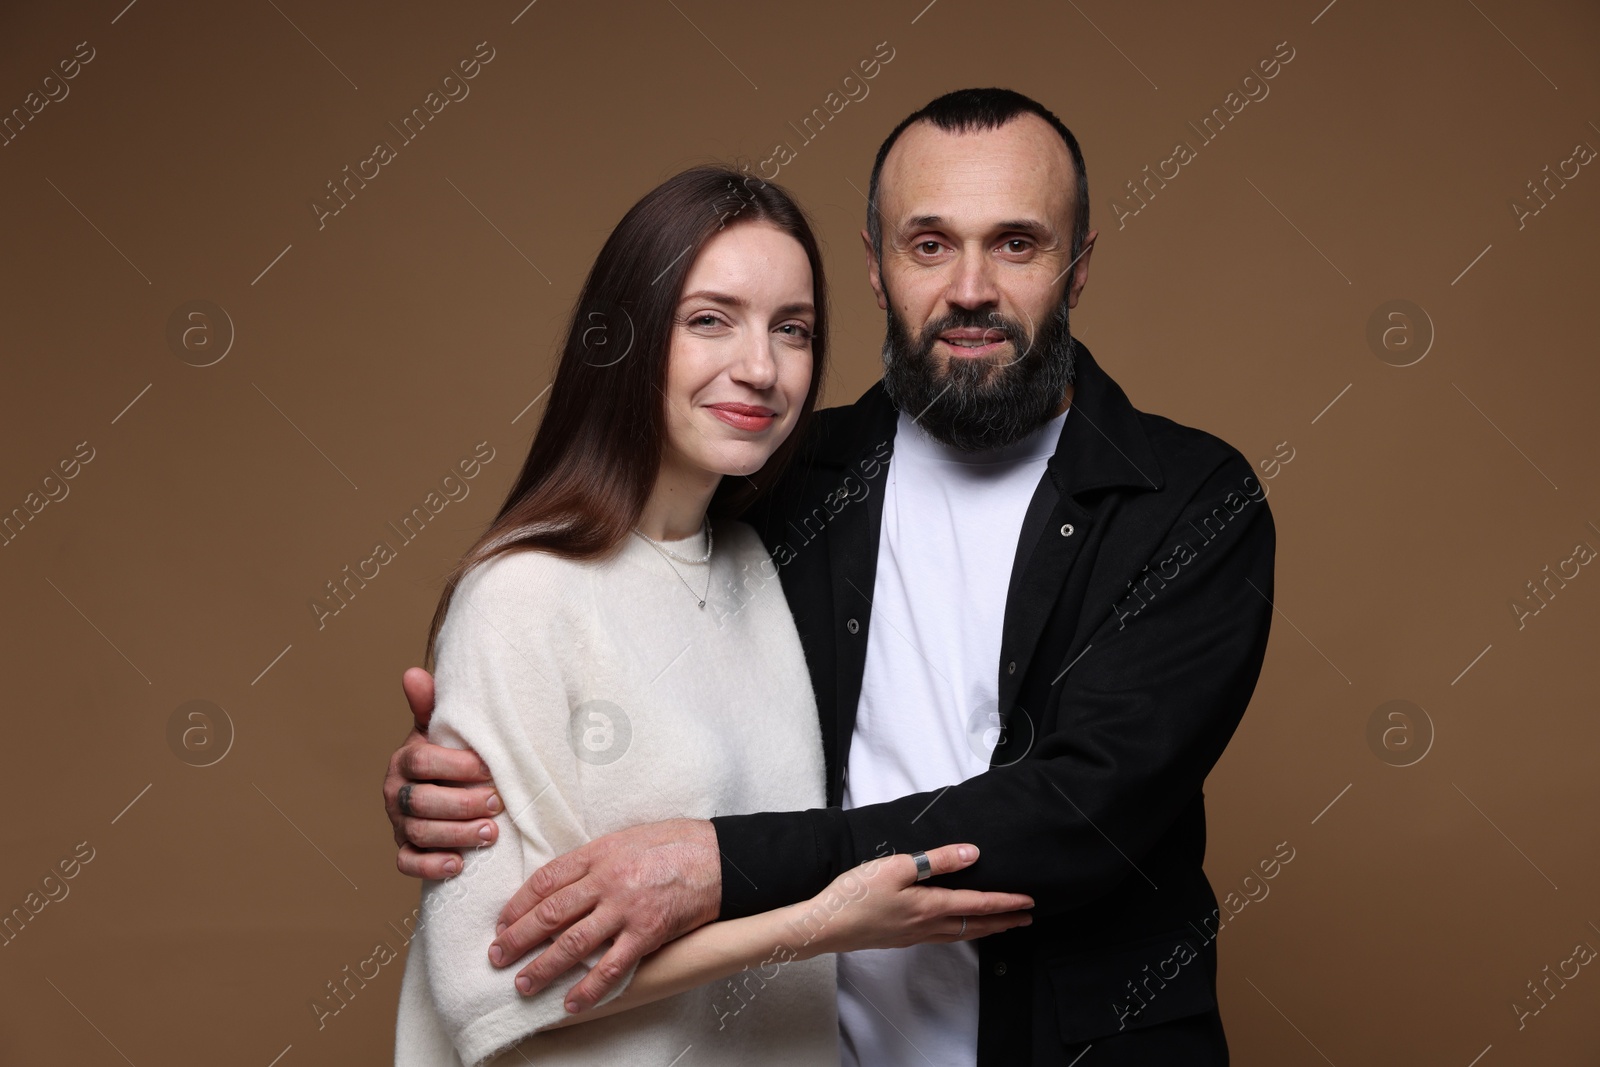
[[879, 904]]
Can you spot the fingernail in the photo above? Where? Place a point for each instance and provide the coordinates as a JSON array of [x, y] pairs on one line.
[[573, 1007], [499, 928], [495, 955], [966, 852], [452, 866], [485, 830], [494, 802], [524, 983], [483, 769], [1028, 921]]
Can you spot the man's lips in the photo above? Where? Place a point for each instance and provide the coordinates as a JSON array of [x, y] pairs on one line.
[[965, 343], [744, 416]]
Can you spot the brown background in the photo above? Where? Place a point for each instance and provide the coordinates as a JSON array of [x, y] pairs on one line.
[[372, 354]]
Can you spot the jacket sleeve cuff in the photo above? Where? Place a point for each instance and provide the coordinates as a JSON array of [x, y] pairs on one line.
[[775, 858]]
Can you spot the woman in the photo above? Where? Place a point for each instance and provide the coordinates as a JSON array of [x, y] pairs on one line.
[[599, 652]]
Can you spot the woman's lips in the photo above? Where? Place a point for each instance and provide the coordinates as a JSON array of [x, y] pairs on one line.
[[744, 416]]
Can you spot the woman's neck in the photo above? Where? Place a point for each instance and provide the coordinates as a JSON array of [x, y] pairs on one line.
[[677, 505]]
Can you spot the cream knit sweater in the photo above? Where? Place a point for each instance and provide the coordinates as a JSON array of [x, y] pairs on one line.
[[601, 696]]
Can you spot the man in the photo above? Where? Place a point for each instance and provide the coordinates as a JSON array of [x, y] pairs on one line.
[[1033, 615]]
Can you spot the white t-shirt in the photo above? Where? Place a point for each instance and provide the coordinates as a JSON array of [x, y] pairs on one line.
[[925, 720]]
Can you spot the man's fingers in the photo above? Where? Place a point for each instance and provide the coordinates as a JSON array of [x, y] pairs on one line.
[[428, 801], [418, 686], [605, 975], [553, 913], [545, 882], [452, 834], [579, 939], [415, 863], [422, 761]]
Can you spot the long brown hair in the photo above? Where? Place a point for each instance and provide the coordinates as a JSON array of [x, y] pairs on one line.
[[595, 458]]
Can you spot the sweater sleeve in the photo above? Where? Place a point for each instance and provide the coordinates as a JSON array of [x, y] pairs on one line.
[[504, 687]]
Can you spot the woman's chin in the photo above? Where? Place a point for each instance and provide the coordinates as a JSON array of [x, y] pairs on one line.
[[740, 463]]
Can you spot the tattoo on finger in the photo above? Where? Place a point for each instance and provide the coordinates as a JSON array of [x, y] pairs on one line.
[[404, 799]]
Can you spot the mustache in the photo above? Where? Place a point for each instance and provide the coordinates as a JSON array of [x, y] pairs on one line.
[[995, 326]]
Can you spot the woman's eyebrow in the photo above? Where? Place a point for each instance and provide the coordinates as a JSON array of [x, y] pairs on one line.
[[797, 308], [714, 297]]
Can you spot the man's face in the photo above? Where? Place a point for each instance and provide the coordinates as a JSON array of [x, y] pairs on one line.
[[977, 278]]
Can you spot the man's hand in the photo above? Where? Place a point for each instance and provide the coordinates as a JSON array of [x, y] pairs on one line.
[[433, 822], [643, 886]]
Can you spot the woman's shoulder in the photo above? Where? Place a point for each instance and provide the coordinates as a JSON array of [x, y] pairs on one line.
[[519, 573]]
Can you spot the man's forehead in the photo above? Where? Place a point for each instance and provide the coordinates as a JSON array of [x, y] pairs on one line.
[[1021, 168]]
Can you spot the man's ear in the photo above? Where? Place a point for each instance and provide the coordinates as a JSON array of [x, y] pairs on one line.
[[874, 277], [1080, 270]]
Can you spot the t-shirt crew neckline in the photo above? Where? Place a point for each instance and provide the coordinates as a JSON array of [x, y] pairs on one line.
[[1040, 443]]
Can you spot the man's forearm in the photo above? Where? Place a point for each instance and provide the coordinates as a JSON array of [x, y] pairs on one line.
[[776, 858]]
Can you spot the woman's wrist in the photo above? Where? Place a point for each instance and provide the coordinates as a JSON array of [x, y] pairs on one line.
[[813, 927]]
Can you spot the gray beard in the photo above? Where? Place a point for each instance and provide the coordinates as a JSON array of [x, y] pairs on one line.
[[978, 403]]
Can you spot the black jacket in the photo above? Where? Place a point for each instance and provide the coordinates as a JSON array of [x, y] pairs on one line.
[[1135, 627]]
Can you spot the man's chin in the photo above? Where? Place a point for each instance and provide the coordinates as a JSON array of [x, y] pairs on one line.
[[976, 372]]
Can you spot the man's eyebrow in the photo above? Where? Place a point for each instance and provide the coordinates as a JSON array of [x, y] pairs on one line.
[[797, 308], [1026, 225]]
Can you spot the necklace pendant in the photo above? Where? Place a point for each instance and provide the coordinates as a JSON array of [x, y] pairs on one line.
[[702, 603]]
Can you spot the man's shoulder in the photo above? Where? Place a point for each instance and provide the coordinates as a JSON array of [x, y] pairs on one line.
[[837, 433], [1189, 455]]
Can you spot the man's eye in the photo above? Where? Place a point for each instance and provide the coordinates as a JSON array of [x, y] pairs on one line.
[[928, 248], [1017, 244]]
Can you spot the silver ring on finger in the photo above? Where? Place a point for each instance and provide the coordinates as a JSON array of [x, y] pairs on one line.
[[963, 931], [403, 801], [924, 867]]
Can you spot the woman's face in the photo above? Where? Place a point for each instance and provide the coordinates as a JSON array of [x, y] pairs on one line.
[[740, 362]]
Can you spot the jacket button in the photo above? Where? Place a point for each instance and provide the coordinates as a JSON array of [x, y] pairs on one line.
[[1000, 968], [1011, 668], [1066, 531], [853, 626]]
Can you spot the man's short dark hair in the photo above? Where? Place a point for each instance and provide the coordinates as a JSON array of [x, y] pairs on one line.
[[965, 111]]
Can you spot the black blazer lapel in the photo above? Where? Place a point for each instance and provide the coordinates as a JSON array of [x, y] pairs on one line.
[[1101, 445], [853, 562]]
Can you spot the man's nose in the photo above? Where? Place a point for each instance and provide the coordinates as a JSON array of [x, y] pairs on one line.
[[972, 285]]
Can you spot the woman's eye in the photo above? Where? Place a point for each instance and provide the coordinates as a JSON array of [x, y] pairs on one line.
[[798, 330], [705, 321]]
